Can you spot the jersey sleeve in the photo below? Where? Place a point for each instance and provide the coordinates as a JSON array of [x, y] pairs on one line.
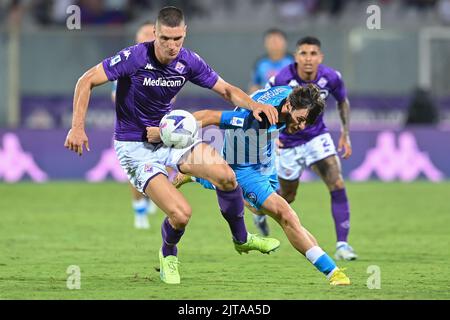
[[339, 91], [242, 120], [202, 74], [125, 63], [234, 120]]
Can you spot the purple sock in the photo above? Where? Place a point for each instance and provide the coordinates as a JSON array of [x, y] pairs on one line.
[[170, 237], [231, 205], [341, 213]]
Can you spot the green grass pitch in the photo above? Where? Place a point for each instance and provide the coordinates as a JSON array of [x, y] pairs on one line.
[[401, 228]]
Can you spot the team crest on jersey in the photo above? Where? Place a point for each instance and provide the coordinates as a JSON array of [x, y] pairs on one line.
[[180, 67], [293, 83], [322, 82]]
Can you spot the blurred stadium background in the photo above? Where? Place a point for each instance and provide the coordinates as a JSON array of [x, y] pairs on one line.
[[400, 70], [398, 82]]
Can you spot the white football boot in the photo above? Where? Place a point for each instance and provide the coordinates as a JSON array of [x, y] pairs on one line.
[[345, 252]]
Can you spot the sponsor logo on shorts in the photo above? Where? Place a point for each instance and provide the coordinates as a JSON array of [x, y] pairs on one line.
[[252, 197], [148, 168]]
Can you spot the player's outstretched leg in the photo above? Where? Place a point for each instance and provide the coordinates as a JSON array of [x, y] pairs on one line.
[[302, 240], [204, 162], [329, 170], [178, 212]]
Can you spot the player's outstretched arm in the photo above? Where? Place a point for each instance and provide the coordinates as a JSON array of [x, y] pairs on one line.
[[239, 98], [344, 140], [224, 119], [77, 138], [208, 117]]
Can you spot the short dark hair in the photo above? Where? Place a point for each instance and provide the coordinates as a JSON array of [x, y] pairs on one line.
[[170, 17], [275, 31], [309, 40], [307, 97]]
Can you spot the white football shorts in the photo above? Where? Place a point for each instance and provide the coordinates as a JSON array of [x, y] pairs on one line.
[[142, 161], [291, 162]]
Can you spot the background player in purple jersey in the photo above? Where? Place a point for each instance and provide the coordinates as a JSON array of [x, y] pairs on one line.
[[149, 75], [313, 147], [142, 205]]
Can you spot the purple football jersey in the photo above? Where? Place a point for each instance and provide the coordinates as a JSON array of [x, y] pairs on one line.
[[145, 87], [328, 80]]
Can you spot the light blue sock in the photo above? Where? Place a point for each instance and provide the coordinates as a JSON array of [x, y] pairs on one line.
[[140, 206], [321, 260], [205, 183]]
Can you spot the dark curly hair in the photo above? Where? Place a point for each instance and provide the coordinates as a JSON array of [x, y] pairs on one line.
[[307, 97]]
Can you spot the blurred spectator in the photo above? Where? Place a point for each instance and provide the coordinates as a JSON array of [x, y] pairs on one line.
[[444, 11], [291, 9], [334, 7], [12, 12], [271, 63], [49, 12], [104, 11], [420, 4], [40, 119], [422, 109]]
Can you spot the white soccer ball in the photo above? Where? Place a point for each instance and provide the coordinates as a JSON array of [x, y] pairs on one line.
[[178, 129]]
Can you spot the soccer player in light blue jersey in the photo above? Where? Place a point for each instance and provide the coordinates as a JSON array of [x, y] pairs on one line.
[[249, 148], [275, 59]]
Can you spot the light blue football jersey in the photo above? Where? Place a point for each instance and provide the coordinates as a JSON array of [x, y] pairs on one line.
[[247, 141]]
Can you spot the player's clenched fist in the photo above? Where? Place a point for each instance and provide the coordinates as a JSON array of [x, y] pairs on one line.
[[75, 140], [153, 135]]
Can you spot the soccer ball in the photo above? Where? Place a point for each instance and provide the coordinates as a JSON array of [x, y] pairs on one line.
[[178, 129]]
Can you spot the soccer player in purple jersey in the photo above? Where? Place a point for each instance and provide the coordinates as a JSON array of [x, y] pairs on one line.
[[149, 75], [313, 147]]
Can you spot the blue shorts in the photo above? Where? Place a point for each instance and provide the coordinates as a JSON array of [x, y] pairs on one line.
[[256, 186]]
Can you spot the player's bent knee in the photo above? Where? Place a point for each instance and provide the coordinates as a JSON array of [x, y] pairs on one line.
[[180, 216], [337, 184], [225, 179]]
